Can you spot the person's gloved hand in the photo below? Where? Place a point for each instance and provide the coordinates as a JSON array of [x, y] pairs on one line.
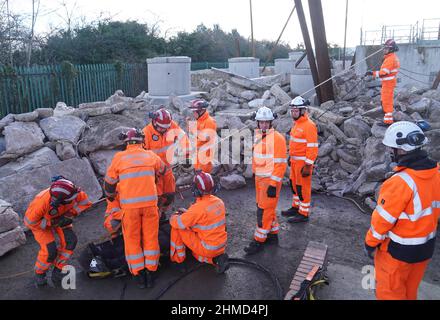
[[272, 192], [306, 171], [368, 73], [61, 221], [369, 251]]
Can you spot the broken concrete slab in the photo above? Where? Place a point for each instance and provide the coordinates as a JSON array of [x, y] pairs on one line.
[[65, 128], [326, 116], [232, 182], [26, 117], [101, 160], [6, 121], [34, 160], [20, 189], [356, 128], [44, 112], [243, 114], [65, 150], [104, 131], [11, 240], [248, 95], [22, 138], [9, 220], [62, 109]]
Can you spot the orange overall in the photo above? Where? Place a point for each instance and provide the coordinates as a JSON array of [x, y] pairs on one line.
[[205, 133], [403, 229], [303, 149], [202, 228], [164, 145], [38, 220], [134, 172], [388, 75], [269, 164]]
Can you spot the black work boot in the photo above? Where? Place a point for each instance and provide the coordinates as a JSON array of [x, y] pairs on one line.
[[299, 218], [140, 279], [289, 212], [57, 277], [272, 239], [149, 279], [221, 263], [253, 247], [40, 279]]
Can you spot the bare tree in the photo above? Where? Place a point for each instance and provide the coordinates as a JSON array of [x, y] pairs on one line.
[[35, 11], [68, 15]]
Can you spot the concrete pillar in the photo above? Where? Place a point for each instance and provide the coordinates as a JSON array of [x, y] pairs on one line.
[[248, 67], [169, 76], [284, 66], [295, 55], [301, 81]]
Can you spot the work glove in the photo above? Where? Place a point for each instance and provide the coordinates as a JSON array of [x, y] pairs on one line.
[[368, 73], [272, 192], [369, 251], [306, 171], [61, 221]]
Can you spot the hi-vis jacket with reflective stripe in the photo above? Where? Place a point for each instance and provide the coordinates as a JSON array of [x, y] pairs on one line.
[[165, 145], [134, 172], [206, 133], [269, 156], [303, 143], [405, 220], [206, 217], [37, 215], [389, 69]]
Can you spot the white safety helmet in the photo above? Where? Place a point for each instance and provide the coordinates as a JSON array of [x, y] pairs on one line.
[[404, 135], [264, 114], [299, 102]]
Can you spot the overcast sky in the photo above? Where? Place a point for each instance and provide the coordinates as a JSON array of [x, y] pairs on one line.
[[269, 16]]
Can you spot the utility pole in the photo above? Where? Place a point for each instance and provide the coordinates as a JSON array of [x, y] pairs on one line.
[[252, 30], [308, 45], [345, 34], [321, 49]]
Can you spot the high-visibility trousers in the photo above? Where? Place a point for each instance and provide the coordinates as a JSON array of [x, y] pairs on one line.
[[301, 187], [140, 228], [166, 183], [387, 97], [395, 279], [181, 239], [50, 253], [267, 221]]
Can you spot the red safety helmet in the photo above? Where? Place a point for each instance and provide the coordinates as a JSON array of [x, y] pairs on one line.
[[199, 104], [391, 45], [64, 190], [162, 119], [132, 135], [203, 183]]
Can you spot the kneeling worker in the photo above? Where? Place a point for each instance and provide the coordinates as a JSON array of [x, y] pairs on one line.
[[50, 214], [201, 228]]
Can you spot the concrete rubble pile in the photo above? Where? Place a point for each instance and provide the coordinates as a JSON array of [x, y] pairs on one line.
[[79, 143]]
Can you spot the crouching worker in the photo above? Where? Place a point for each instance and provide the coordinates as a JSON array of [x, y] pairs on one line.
[[51, 213], [201, 228]]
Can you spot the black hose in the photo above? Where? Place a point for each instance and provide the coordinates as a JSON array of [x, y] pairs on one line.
[[232, 261]]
